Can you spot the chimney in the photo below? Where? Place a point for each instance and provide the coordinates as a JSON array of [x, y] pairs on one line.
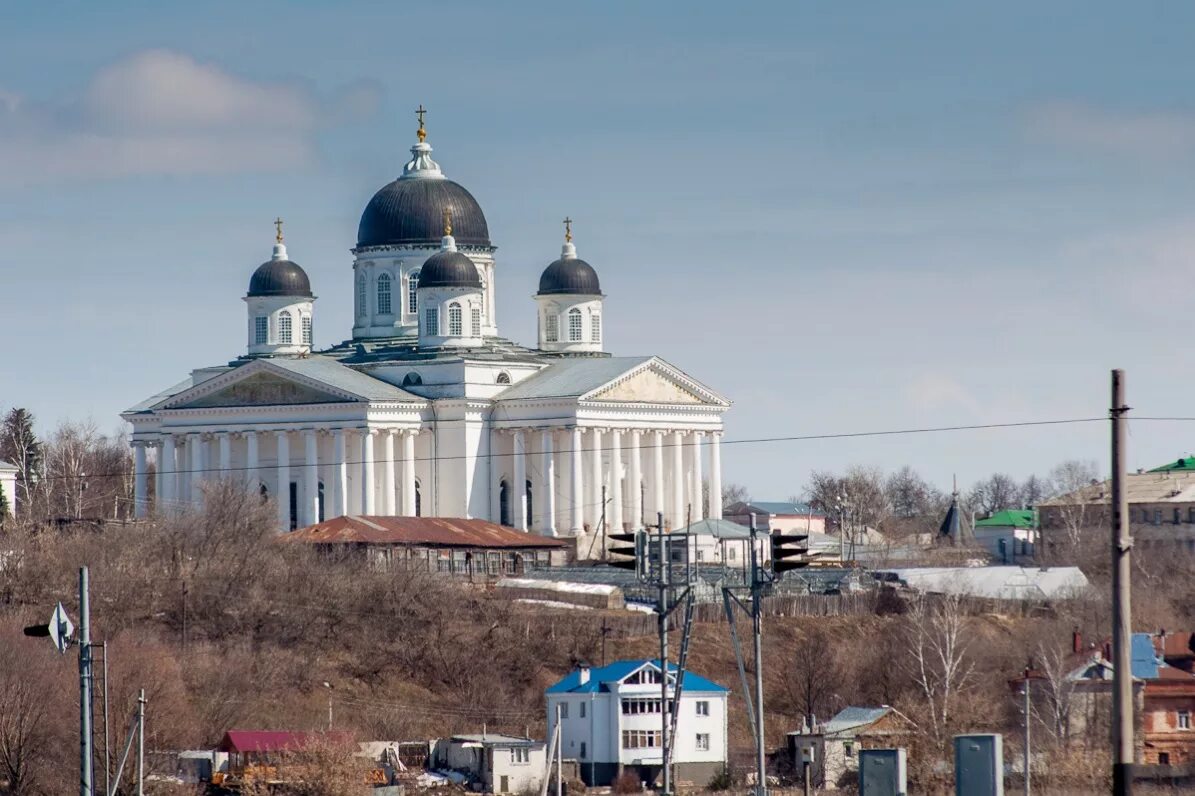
[[1076, 641], [583, 674]]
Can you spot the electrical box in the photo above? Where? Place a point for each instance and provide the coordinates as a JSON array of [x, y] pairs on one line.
[[883, 772], [808, 755], [979, 765]]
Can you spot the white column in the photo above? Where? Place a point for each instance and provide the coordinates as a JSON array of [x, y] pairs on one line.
[[615, 514], [169, 468], [283, 492], [657, 479], [519, 498], [196, 443], [309, 513], [225, 441], [159, 477], [140, 483], [340, 487], [368, 494], [716, 475], [678, 480], [548, 521], [252, 460], [576, 490], [388, 482], [595, 478], [634, 479], [408, 473], [698, 503]]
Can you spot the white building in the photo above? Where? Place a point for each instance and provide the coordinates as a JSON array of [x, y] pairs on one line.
[[611, 723], [8, 486], [500, 763], [425, 409]]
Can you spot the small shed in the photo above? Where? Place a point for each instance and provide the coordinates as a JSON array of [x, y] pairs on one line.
[[500, 763]]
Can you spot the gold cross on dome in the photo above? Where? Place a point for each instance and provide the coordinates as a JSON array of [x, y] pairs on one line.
[[421, 132], [568, 230], [278, 226], [448, 221]]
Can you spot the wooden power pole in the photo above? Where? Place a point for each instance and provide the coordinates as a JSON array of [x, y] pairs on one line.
[[1122, 628]]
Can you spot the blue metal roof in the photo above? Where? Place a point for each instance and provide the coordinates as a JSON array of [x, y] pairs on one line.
[[601, 677], [1143, 658]]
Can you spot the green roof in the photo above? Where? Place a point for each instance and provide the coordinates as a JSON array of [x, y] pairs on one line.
[[1017, 518], [1186, 463]]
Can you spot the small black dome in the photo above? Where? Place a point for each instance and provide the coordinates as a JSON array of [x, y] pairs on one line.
[[568, 275], [279, 278], [411, 212], [449, 269]]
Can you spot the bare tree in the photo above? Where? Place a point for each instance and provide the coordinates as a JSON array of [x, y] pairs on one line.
[[734, 493], [995, 493], [1033, 491], [814, 678], [938, 659], [1058, 690], [1075, 509], [19, 446]]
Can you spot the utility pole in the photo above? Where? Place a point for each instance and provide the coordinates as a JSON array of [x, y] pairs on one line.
[[757, 584], [1028, 713], [86, 773], [107, 743], [1122, 545], [141, 743], [559, 753], [665, 718]]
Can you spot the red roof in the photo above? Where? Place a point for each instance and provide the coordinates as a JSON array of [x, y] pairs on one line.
[[420, 531], [1177, 645], [262, 741]]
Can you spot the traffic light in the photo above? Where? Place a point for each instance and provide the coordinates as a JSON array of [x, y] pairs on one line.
[[626, 550], [790, 552]]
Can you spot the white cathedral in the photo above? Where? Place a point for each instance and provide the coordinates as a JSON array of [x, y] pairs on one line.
[[426, 410]]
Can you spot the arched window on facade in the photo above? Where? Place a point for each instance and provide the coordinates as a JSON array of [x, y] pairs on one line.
[[284, 328], [551, 327], [383, 294], [504, 503], [413, 292], [319, 514], [574, 325], [361, 313], [412, 379], [306, 330], [475, 321], [455, 320], [530, 513], [595, 327], [503, 378]]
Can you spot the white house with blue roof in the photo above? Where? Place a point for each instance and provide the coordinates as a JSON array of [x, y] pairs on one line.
[[425, 409], [611, 722]]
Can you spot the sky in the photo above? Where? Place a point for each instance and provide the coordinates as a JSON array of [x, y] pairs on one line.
[[843, 217]]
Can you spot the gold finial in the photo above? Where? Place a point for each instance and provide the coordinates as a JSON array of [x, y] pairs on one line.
[[278, 226], [448, 221], [421, 132], [568, 230]]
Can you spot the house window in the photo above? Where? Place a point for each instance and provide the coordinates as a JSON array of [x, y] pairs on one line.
[[384, 294], [703, 708], [1184, 719], [431, 321], [583, 755], [703, 742], [730, 554], [551, 328], [574, 325], [361, 295], [1157, 516], [520, 754], [640, 739], [848, 749], [413, 292], [1178, 516], [1191, 514], [595, 327], [284, 328], [564, 710], [504, 378], [475, 321], [582, 710], [455, 321], [261, 333], [306, 330], [1163, 758]]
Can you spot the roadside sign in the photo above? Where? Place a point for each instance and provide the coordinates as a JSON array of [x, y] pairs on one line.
[[61, 628]]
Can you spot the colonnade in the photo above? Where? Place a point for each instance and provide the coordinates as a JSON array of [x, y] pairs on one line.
[[640, 472], [308, 465]]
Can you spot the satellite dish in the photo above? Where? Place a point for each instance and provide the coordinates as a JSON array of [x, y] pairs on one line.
[[61, 628]]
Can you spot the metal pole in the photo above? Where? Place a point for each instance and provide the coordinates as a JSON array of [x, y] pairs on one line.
[[1122, 703], [761, 784], [107, 743], [808, 786], [662, 579], [86, 778], [559, 753], [1028, 713], [141, 743]]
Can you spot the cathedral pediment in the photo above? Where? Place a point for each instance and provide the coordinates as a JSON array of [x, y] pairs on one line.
[[262, 389], [655, 383]]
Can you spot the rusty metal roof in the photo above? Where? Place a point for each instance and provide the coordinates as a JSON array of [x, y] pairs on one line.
[[420, 531]]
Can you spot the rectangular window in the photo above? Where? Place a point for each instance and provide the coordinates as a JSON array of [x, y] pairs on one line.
[[1178, 516], [582, 710], [551, 328], [306, 330], [1184, 719], [431, 321], [476, 321], [261, 333], [520, 754], [640, 739], [574, 326], [703, 742], [703, 708], [284, 328], [1157, 516], [564, 709], [384, 294], [413, 293], [583, 755], [595, 327]]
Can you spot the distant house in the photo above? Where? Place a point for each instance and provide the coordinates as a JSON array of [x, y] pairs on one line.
[[499, 763], [786, 517], [611, 723], [8, 485], [994, 583], [472, 548], [1010, 535], [835, 745]]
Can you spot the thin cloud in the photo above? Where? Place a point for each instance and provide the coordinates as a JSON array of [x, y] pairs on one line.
[[1143, 135], [160, 112]]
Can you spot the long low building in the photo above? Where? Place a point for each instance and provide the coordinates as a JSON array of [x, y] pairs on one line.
[[436, 544]]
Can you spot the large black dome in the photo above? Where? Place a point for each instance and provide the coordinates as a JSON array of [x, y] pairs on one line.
[[279, 278], [411, 212], [569, 276], [449, 269]]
